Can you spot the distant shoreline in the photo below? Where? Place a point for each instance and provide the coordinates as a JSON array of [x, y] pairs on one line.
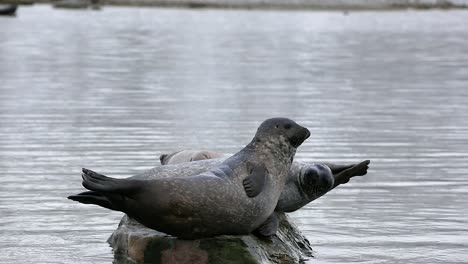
[[312, 5]]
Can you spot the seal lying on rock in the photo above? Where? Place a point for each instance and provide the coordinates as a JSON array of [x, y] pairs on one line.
[[187, 155], [235, 197], [305, 182]]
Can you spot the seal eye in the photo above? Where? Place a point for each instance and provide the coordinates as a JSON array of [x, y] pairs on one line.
[[287, 126], [276, 126]]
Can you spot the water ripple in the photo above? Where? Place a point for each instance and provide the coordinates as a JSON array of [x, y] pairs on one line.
[[112, 90]]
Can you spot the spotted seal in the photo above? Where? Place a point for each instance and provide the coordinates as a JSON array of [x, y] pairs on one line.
[[235, 197], [188, 155]]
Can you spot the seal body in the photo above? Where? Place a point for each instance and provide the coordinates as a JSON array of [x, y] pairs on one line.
[[216, 202]]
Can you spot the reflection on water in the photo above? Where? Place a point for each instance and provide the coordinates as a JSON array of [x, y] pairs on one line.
[[111, 90]]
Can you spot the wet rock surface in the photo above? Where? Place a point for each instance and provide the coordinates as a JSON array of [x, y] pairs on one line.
[[134, 243]]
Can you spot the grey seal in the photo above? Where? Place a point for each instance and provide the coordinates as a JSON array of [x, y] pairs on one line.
[[308, 182], [235, 197], [305, 183], [187, 155]]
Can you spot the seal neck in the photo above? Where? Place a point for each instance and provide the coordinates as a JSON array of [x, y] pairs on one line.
[[278, 148]]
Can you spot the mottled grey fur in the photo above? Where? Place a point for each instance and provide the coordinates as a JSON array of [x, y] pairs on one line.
[[213, 202]]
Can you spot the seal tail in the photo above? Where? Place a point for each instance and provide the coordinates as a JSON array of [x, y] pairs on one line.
[[91, 197], [100, 183]]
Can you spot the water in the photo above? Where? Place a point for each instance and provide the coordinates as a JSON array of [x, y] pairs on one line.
[[111, 90]]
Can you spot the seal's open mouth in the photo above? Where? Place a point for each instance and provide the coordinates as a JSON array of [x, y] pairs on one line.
[[298, 139]]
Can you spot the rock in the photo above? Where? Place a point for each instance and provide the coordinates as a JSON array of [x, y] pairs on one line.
[[133, 242]]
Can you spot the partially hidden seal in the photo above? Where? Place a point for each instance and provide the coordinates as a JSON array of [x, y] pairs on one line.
[[235, 197], [188, 155], [305, 183]]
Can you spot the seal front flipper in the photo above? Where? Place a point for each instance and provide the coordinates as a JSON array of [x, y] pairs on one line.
[[253, 184], [337, 168], [357, 170], [268, 228]]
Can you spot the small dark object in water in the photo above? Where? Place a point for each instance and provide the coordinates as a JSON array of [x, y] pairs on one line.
[[8, 10], [77, 4]]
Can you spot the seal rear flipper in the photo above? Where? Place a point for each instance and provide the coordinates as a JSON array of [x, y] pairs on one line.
[[163, 159], [97, 182], [91, 197], [268, 228], [253, 184]]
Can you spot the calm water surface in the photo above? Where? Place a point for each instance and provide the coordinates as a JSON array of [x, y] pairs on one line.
[[111, 90]]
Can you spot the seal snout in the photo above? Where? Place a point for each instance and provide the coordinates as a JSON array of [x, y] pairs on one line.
[[307, 133], [300, 137]]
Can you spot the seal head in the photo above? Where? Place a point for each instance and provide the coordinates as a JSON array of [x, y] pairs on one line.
[[316, 180], [280, 137], [284, 129]]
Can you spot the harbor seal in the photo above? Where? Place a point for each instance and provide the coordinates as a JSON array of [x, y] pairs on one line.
[[305, 183], [235, 197], [308, 182], [187, 155]]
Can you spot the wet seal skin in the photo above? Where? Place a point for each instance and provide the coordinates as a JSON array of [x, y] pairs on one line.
[[305, 183], [235, 197]]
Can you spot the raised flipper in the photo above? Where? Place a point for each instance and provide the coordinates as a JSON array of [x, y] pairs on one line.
[[268, 228], [97, 182], [357, 170], [337, 168], [253, 184]]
